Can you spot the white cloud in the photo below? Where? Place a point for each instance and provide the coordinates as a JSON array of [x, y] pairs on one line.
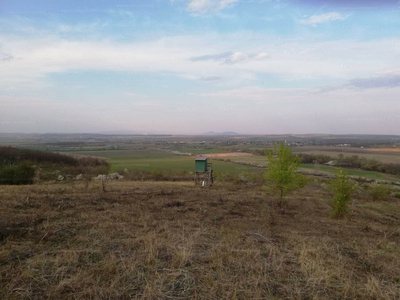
[[202, 6], [262, 56], [318, 19], [237, 57], [31, 61]]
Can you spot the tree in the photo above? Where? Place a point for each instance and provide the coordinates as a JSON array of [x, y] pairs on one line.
[[343, 189], [282, 176]]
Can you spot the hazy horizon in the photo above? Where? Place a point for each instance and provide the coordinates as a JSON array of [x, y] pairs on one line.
[[187, 67]]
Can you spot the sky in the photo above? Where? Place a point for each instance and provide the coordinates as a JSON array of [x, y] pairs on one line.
[[193, 66]]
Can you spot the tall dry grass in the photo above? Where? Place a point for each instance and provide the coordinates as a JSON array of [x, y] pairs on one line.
[[172, 240]]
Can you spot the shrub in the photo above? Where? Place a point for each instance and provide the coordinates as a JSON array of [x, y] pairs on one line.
[[380, 192], [255, 178], [21, 174], [343, 189]]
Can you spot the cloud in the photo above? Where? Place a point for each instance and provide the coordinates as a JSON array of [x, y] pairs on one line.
[[203, 6], [34, 60], [262, 56], [264, 95], [210, 78], [5, 57], [318, 19], [385, 81], [219, 56], [388, 79], [351, 4], [231, 58], [237, 57]]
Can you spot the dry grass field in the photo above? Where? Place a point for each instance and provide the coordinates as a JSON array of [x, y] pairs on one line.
[[164, 240]]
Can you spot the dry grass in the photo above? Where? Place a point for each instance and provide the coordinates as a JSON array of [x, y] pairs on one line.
[[168, 240]]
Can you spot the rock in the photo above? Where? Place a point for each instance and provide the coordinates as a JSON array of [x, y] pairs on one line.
[[79, 177], [60, 177], [112, 176], [100, 177]]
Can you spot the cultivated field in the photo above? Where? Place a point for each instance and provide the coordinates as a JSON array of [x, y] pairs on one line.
[[145, 240], [154, 160], [154, 153]]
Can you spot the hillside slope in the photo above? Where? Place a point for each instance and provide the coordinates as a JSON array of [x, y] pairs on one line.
[[165, 240]]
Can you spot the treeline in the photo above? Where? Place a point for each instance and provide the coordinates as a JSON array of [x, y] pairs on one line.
[[19, 166], [10, 156], [353, 161]]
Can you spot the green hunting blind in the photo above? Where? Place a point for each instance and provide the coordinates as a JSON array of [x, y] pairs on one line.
[[201, 164], [203, 171]]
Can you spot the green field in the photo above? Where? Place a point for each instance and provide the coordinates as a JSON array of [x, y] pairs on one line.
[[152, 160]]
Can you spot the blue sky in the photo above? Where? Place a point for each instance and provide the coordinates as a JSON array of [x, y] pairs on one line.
[[191, 66]]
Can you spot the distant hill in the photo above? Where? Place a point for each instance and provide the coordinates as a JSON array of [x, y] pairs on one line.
[[221, 133]]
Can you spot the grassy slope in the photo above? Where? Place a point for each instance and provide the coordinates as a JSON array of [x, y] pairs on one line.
[[144, 240]]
